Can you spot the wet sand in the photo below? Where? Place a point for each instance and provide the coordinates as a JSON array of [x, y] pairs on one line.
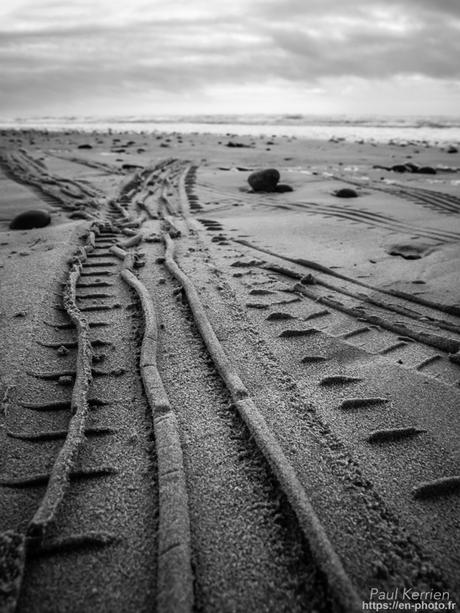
[[288, 436]]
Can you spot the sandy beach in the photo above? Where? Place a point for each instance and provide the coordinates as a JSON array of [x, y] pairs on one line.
[[217, 399]]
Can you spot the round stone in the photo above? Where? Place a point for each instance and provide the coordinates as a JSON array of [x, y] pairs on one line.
[[264, 180], [346, 192], [34, 218]]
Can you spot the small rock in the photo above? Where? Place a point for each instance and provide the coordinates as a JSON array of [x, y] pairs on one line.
[[452, 149], [34, 218], [264, 180], [279, 316], [245, 263], [282, 188], [62, 350], [346, 192], [308, 280], [237, 145], [131, 167], [65, 380]]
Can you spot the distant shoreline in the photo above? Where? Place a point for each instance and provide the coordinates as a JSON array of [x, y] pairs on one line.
[[425, 131]]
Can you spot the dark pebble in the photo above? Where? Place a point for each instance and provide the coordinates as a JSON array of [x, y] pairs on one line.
[[282, 187], [346, 192], [264, 180], [34, 218]]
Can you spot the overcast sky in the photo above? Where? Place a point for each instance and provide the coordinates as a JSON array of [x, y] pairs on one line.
[[129, 57]]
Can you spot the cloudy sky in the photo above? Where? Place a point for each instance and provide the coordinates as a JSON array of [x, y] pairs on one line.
[[99, 57]]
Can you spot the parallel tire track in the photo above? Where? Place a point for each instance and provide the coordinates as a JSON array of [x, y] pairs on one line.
[[352, 214], [175, 577], [80, 199], [58, 480], [338, 581], [412, 329], [14, 547], [435, 200]]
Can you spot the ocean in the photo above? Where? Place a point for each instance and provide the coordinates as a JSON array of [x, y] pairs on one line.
[[434, 130]]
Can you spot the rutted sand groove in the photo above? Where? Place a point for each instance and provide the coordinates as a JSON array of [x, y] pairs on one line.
[[437, 201], [36, 541], [363, 216], [79, 198], [443, 343], [437, 306], [58, 480], [175, 577], [408, 337], [325, 556], [104, 167], [79, 405], [375, 220], [367, 405]]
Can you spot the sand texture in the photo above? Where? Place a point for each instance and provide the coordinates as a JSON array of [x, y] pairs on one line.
[[219, 400]]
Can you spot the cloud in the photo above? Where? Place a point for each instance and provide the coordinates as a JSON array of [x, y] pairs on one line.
[[53, 52]]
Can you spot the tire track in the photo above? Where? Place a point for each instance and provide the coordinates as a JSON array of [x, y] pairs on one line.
[[346, 212], [435, 200], [104, 167], [325, 556], [80, 199], [175, 577], [247, 548], [39, 538], [225, 463], [377, 221], [405, 297], [408, 341], [349, 413], [165, 217]]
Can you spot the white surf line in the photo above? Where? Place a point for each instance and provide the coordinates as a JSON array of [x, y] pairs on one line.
[[175, 575], [322, 550]]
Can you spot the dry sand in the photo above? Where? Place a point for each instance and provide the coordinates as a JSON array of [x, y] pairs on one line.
[[338, 319]]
